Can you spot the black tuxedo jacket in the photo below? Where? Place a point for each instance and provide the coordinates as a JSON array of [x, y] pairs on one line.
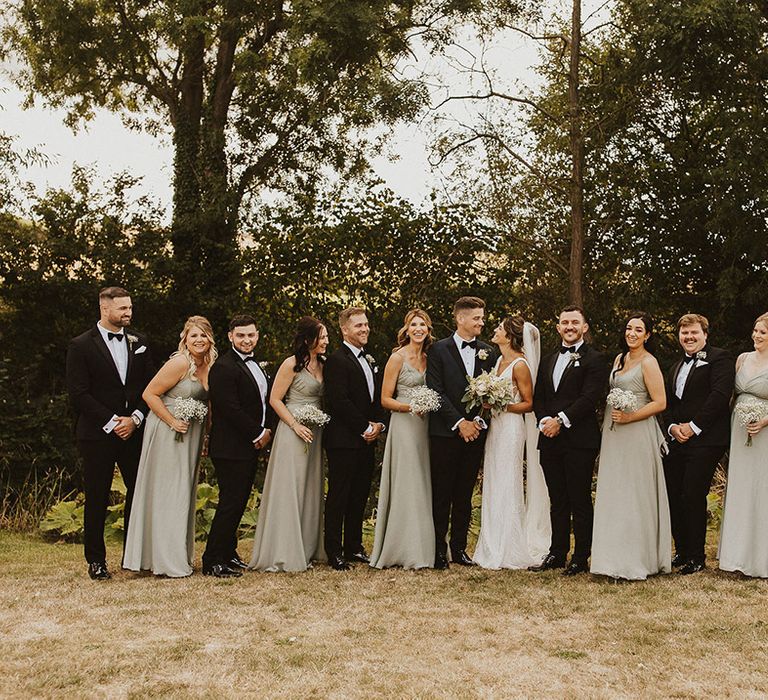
[[94, 385], [706, 398], [348, 402], [237, 413], [447, 376], [581, 389]]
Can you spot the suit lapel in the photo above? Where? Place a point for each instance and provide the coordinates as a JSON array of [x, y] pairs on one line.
[[104, 350], [240, 363], [675, 374], [693, 369], [550, 370], [582, 351], [351, 357]]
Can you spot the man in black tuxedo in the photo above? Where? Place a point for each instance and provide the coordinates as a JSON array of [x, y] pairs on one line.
[[699, 389], [353, 398], [570, 384], [242, 425], [456, 435], [107, 372]]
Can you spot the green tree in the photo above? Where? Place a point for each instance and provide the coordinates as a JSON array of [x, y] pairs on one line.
[[256, 95]]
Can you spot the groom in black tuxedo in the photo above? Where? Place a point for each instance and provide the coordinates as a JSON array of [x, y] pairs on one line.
[[242, 425], [570, 384], [699, 389], [107, 372], [353, 399], [456, 435]]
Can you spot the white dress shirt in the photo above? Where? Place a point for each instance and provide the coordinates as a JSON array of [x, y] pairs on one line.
[[261, 381], [682, 378], [119, 351], [561, 363], [468, 354], [364, 364]]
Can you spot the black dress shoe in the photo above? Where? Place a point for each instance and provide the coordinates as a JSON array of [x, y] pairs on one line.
[[575, 567], [462, 558], [221, 571], [692, 567], [441, 561], [550, 562], [678, 560], [236, 563], [338, 563], [360, 556], [97, 570]]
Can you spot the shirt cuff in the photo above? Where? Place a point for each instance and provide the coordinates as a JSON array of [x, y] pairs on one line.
[[696, 429], [261, 435], [455, 427], [669, 430], [383, 427], [565, 420], [543, 420], [138, 415], [111, 424]]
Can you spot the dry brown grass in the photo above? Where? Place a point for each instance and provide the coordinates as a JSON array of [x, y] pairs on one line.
[[369, 634]]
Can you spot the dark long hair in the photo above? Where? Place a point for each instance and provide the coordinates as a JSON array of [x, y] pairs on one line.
[[308, 331], [650, 344], [513, 329]]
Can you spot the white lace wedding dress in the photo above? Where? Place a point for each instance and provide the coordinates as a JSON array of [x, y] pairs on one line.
[[514, 525]]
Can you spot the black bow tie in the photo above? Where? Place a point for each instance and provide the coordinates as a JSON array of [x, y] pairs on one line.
[[564, 349], [688, 358], [468, 344], [250, 358], [119, 336]]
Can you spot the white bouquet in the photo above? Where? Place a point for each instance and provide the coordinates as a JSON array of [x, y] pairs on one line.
[[751, 411], [621, 400], [310, 415], [424, 400], [188, 409], [489, 390]]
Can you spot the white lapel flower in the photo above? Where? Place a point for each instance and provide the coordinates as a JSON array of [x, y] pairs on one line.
[[370, 360], [263, 364], [701, 355], [575, 357], [131, 338], [482, 354]]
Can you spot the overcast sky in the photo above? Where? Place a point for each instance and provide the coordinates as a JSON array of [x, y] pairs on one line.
[[107, 145]]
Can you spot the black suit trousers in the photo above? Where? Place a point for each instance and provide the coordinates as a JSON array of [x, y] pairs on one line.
[[568, 473], [349, 483], [454, 465], [688, 470], [99, 459], [235, 478]]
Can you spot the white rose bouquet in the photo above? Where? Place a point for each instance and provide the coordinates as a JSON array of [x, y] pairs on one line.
[[188, 409], [621, 400], [750, 411], [488, 390], [424, 400]]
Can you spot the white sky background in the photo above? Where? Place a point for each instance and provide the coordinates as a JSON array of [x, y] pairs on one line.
[[107, 145]]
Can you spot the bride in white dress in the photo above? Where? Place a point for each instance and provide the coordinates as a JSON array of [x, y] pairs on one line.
[[515, 530]]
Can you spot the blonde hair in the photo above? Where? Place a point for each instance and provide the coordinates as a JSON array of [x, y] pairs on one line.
[[345, 315], [204, 325], [762, 318], [692, 320], [402, 334]]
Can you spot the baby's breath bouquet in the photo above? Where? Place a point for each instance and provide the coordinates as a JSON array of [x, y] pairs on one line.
[[424, 400], [491, 391], [621, 400], [188, 409], [310, 416], [750, 411]]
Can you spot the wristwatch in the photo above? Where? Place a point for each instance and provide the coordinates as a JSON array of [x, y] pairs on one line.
[[559, 420], [136, 420]]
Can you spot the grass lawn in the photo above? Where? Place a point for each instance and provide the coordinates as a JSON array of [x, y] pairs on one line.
[[461, 633]]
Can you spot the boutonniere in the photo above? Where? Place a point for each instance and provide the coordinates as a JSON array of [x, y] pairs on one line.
[[131, 338], [701, 355], [575, 357], [370, 360], [263, 364], [482, 354]]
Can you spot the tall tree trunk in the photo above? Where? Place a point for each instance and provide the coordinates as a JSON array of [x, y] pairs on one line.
[[576, 267]]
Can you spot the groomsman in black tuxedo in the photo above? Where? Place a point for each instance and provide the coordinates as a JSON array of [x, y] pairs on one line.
[[699, 390], [570, 384], [456, 435], [242, 426], [107, 372], [353, 399]]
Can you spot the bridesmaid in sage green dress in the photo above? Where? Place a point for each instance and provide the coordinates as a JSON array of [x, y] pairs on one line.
[[743, 541], [161, 530], [632, 535], [405, 534], [289, 531]]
